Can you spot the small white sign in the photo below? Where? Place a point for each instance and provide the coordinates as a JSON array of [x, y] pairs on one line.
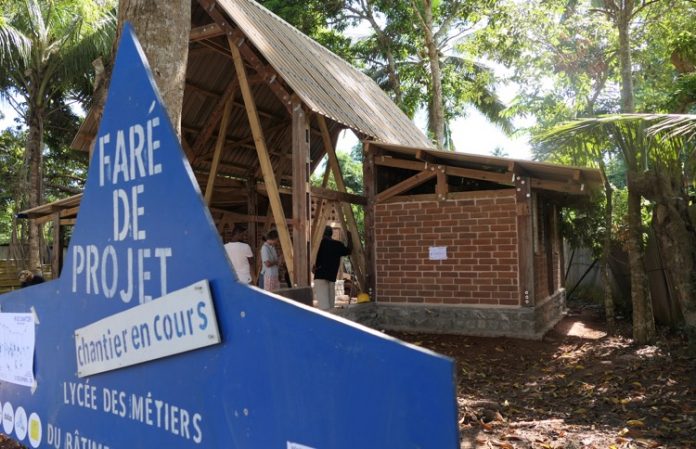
[[438, 253], [17, 340], [177, 322]]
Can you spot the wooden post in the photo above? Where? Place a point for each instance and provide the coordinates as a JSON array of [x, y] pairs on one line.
[[525, 239], [318, 233], [358, 256], [301, 201], [370, 190], [442, 188], [57, 253], [319, 221], [264, 160], [218, 152], [252, 211]]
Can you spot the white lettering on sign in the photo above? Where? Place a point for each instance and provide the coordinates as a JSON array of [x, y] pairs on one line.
[[177, 322], [124, 156]]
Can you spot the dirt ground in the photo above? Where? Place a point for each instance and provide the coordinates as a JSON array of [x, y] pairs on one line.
[[578, 388]]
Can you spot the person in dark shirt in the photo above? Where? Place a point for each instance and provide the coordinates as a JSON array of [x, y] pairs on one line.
[[326, 268], [27, 278]]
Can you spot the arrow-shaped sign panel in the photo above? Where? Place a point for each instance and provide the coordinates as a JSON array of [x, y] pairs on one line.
[[282, 376]]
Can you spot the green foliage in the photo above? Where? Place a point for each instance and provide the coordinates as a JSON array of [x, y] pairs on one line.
[[316, 19], [399, 35], [11, 163]]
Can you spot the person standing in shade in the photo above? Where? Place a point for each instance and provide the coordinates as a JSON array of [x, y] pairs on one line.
[[240, 255], [28, 278], [270, 262], [326, 268]]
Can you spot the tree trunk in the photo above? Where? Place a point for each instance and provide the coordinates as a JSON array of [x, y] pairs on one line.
[[437, 117], [643, 320], [676, 233], [606, 251], [34, 190], [163, 29], [623, 22]]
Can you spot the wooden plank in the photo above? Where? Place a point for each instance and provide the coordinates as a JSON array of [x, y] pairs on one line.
[[57, 251], [370, 188], [325, 194], [557, 186], [264, 160], [208, 31], [405, 185], [218, 152], [500, 178], [358, 256], [301, 201], [252, 211], [213, 119], [318, 232], [525, 238], [441, 188]]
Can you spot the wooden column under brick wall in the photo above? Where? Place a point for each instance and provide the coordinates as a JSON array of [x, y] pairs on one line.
[[525, 239]]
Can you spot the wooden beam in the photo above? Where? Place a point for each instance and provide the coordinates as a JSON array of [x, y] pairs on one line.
[[370, 189], [441, 188], [318, 232], [57, 252], [525, 239], [483, 175], [557, 186], [407, 184], [237, 39], [319, 220], [252, 211], [301, 201], [264, 160], [239, 218], [213, 119], [208, 31], [358, 255], [218, 152], [325, 194]]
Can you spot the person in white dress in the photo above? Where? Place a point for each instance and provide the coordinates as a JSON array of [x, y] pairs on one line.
[[240, 255]]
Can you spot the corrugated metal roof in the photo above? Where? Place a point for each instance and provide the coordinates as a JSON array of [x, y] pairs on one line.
[[326, 83]]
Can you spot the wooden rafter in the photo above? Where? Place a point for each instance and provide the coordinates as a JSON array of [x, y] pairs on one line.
[[358, 255], [405, 185], [264, 159], [208, 31], [213, 119], [218, 152], [236, 37]]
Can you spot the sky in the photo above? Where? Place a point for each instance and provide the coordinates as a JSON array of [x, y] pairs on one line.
[[472, 133]]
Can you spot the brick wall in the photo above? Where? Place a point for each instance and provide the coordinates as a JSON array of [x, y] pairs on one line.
[[479, 231]]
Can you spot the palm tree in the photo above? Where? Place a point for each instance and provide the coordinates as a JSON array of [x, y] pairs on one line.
[[46, 51], [660, 154]]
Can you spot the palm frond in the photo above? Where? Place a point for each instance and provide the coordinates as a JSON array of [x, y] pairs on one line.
[[15, 46]]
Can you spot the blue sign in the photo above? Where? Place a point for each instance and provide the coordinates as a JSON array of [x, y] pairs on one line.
[[283, 376]]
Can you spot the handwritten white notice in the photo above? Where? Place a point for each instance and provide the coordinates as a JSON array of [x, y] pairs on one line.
[[438, 253], [17, 339]]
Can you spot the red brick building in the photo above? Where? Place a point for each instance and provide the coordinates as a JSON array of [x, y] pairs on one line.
[[468, 244]]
